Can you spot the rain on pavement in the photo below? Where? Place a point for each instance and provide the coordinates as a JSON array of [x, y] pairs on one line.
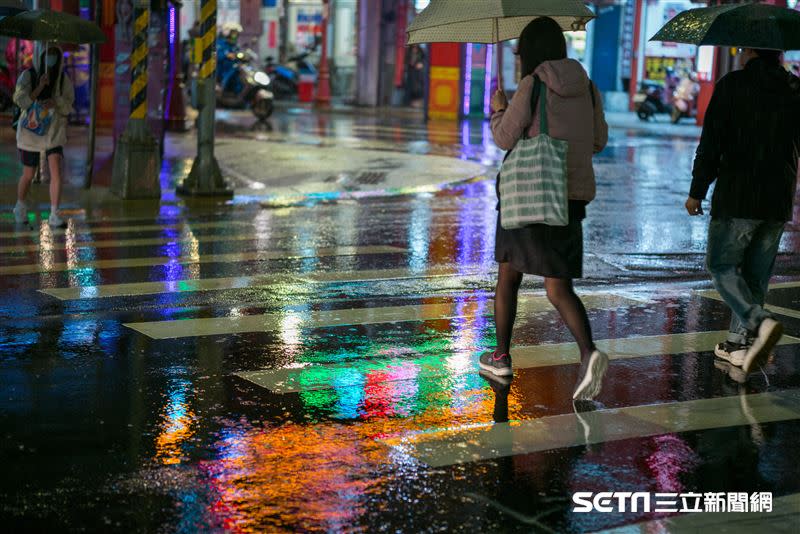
[[275, 365]]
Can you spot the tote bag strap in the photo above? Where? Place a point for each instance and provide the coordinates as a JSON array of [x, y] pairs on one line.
[[543, 126], [537, 89]]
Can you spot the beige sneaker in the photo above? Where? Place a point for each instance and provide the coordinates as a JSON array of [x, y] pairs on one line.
[[731, 352]]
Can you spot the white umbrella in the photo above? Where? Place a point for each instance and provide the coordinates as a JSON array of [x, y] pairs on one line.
[[491, 21]]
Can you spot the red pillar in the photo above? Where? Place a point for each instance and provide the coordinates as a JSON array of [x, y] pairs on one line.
[[105, 91], [324, 78]]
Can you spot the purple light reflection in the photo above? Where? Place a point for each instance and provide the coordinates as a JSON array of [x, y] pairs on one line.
[[487, 87], [468, 79]]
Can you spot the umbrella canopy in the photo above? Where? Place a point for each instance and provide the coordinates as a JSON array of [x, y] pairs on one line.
[[491, 21], [744, 25], [11, 7], [46, 25]]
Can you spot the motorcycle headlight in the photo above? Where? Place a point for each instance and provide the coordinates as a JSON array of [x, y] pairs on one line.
[[262, 78]]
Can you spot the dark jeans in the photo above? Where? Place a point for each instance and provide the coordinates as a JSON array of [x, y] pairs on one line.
[[740, 258]]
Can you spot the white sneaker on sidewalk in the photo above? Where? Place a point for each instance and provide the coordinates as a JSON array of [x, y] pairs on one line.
[[592, 382], [770, 332], [55, 221], [21, 212]]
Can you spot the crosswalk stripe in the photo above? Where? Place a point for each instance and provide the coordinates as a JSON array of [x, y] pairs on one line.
[[785, 512], [784, 285], [788, 312], [442, 447], [46, 267], [125, 228], [184, 238], [352, 316], [320, 377], [259, 281], [176, 286], [78, 215]]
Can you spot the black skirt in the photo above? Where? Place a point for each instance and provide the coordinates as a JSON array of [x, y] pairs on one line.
[[549, 251]]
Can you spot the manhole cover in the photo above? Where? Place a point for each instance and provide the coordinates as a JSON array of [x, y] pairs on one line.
[[371, 178]]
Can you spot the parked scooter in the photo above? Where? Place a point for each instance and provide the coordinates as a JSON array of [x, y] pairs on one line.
[[256, 89], [655, 97], [286, 78], [685, 98]]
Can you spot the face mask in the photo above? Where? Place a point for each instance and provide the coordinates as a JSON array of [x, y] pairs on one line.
[[51, 60]]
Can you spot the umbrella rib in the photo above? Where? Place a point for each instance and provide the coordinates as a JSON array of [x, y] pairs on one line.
[[466, 21]]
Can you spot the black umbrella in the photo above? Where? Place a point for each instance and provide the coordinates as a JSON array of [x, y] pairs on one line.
[[11, 7], [53, 26], [742, 25]]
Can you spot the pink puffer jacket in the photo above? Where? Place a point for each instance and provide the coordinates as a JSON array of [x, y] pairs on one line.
[[570, 117]]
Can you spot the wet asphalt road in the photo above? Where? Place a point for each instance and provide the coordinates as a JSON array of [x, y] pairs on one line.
[[312, 366]]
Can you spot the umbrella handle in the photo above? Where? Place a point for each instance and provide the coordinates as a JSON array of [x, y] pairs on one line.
[[496, 39]]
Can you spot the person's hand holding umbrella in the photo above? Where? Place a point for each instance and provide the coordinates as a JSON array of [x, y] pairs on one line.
[[499, 101]]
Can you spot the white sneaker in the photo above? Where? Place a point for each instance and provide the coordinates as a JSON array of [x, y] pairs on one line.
[[770, 332], [592, 382], [55, 221], [21, 212], [731, 352]]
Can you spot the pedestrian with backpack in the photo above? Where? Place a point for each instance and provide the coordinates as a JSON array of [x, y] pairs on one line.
[[44, 95], [555, 98]]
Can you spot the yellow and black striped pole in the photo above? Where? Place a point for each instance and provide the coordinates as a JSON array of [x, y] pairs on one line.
[[139, 63], [205, 178], [137, 161], [208, 38]]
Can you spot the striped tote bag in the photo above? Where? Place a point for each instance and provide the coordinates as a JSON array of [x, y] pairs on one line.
[[533, 178]]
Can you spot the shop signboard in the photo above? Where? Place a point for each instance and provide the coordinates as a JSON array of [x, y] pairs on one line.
[[661, 55], [655, 68], [444, 81]]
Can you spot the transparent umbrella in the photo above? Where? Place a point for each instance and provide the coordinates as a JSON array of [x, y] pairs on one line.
[[491, 21]]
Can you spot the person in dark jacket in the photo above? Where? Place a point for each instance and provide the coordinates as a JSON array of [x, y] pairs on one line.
[[750, 145]]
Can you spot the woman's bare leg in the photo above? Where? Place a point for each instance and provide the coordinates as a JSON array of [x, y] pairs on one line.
[[505, 305], [24, 184], [562, 295]]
